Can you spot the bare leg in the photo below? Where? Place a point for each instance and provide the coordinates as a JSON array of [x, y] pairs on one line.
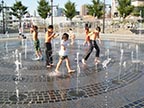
[[40, 54], [97, 60], [72, 41], [58, 65], [37, 53], [68, 65]]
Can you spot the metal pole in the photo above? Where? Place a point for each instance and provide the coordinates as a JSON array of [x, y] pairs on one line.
[[3, 16], [104, 18], [51, 12]]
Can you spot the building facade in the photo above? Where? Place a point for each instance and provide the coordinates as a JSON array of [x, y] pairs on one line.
[[114, 11], [83, 10], [138, 3]]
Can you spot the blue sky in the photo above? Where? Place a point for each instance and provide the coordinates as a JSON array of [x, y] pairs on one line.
[[32, 4]]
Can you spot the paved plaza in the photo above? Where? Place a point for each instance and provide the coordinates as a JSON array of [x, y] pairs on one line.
[[116, 82]]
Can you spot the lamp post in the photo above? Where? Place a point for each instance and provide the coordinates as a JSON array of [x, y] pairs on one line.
[[51, 12], [104, 18], [140, 23], [3, 20]]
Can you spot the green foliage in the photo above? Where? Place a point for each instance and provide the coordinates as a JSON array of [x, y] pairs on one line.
[[96, 9], [43, 9], [137, 11], [18, 10], [125, 8], [70, 10]]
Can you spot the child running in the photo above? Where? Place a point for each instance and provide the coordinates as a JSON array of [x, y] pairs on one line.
[[93, 36], [34, 31], [63, 53]]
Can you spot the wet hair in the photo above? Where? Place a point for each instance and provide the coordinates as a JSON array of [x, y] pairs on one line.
[[98, 28], [65, 36], [50, 27], [35, 27], [86, 25], [86, 28], [70, 28]]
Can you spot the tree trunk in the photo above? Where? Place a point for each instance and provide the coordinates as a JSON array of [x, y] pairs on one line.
[[20, 23]]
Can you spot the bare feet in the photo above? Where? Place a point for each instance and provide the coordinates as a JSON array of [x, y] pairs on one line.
[[48, 66], [83, 61], [97, 61], [71, 71], [55, 73]]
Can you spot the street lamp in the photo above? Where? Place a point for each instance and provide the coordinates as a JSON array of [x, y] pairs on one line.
[[104, 18], [3, 20], [51, 12]]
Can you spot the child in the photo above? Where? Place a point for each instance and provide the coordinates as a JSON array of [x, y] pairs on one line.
[[36, 43], [63, 53], [93, 36], [72, 36], [87, 38], [48, 51], [87, 31]]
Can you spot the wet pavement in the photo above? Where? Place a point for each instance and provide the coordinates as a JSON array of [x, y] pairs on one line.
[[116, 82]]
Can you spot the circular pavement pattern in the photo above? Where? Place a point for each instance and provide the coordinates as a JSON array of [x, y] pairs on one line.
[[125, 76]]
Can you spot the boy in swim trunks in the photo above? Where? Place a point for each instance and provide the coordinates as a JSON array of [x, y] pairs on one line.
[[36, 43]]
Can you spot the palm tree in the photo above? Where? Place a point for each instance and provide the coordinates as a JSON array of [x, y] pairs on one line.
[[70, 10], [125, 8], [96, 9], [18, 10]]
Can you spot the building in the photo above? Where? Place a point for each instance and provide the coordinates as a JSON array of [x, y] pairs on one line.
[[83, 10], [5, 18], [114, 11], [138, 3], [58, 12]]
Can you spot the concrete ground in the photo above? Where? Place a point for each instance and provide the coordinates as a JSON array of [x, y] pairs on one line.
[[117, 82]]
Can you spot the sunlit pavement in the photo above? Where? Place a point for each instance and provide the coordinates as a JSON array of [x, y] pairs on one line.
[[116, 82]]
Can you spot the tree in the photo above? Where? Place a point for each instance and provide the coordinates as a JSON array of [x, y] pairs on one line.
[[18, 10], [70, 10], [43, 8], [96, 9], [125, 8], [137, 11]]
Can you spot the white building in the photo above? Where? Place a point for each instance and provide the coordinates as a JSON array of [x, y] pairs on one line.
[[114, 11], [138, 3], [83, 10]]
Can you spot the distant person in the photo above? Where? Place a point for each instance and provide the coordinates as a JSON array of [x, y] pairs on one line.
[[21, 35], [63, 53], [31, 29], [34, 31], [72, 36], [87, 38], [48, 46], [93, 44]]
